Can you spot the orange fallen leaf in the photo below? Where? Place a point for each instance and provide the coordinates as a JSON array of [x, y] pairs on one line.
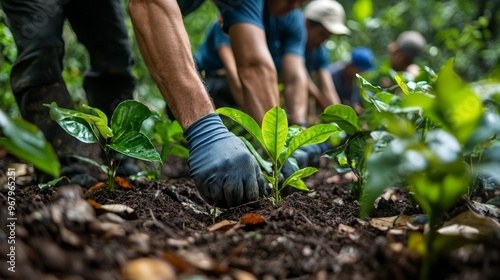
[[179, 263], [96, 187], [252, 219], [148, 268], [123, 183], [94, 204]]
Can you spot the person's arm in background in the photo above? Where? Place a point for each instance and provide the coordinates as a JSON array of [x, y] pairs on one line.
[[256, 69], [229, 175], [242, 20], [329, 95], [293, 68], [227, 57], [294, 77]]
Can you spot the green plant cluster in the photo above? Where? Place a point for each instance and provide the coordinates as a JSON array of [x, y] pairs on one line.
[[433, 136], [122, 136], [278, 141]]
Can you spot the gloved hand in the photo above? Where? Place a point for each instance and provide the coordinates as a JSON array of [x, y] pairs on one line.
[[310, 155], [225, 172]]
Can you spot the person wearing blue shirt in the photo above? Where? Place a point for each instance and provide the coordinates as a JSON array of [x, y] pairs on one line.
[[215, 61], [324, 18], [224, 171], [344, 74], [285, 37]]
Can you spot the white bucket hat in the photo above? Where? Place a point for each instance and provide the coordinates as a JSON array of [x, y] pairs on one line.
[[329, 13]]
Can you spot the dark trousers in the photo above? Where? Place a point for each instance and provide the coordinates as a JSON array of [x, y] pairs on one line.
[[218, 88], [99, 25]]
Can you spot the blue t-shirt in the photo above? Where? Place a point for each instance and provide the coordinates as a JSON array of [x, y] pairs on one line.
[[346, 91], [317, 58], [207, 56], [189, 6], [284, 35], [232, 11]]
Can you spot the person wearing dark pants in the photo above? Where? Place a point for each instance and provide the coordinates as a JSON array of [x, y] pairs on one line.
[[36, 79]]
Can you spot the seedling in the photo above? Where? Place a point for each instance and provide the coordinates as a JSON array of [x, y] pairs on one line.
[[278, 143], [123, 136], [420, 143], [167, 134]]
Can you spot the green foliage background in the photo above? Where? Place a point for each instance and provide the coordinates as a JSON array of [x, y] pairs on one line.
[[469, 30]]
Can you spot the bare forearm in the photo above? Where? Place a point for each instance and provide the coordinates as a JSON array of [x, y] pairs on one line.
[[255, 69], [328, 90], [296, 94], [165, 48], [315, 92], [227, 57]]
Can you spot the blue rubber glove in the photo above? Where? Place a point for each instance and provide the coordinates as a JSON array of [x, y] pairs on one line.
[[310, 155], [225, 172]]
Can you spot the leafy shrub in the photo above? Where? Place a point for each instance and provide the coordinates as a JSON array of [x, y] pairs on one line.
[[123, 136]]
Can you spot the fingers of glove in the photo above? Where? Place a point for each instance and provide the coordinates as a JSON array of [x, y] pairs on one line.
[[204, 190], [233, 192], [263, 187], [302, 157]]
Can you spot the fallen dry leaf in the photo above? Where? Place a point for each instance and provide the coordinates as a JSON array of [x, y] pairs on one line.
[[119, 209], [386, 223], [123, 183], [147, 269], [253, 220], [224, 225], [96, 187]]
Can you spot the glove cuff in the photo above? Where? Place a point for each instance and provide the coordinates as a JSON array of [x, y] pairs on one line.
[[205, 130]]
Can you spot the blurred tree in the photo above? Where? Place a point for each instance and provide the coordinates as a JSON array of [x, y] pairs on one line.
[[468, 30]]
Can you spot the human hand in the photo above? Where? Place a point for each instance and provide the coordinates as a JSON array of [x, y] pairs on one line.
[[225, 172], [310, 155]]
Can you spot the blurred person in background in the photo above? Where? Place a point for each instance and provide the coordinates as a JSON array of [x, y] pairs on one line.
[[344, 73], [403, 52], [324, 18]]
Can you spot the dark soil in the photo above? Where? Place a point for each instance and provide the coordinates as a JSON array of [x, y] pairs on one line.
[[313, 235]]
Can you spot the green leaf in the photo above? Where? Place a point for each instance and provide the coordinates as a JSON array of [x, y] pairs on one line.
[[298, 176], [244, 120], [364, 84], [423, 101], [82, 126], [344, 116], [362, 9], [28, 143], [299, 184], [315, 134], [274, 131], [79, 128], [102, 123], [104, 168], [129, 116], [382, 171], [178, 150], [137, 145], [402, 85], [437, 197], [52, 182], [459, 107]]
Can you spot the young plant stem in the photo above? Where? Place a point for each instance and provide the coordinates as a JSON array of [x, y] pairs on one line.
[[429, 256], [349, 161], [112, 168], [276, 173]]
